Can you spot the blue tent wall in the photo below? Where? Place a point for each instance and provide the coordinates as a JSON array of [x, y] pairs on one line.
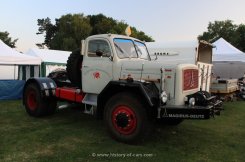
[[11, 89]]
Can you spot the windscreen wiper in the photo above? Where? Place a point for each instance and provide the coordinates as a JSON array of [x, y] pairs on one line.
[[119, 48]]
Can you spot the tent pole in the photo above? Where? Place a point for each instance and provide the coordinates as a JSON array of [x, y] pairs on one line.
[[14, 71]]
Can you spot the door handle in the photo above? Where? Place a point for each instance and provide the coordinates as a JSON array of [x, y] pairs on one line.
[[85, 66]]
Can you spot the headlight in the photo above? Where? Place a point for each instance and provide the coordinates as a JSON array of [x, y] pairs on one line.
[[164, 97], [192, 101]]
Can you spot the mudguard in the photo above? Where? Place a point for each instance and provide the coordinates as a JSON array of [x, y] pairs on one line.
[[47, 86], [148, 90]]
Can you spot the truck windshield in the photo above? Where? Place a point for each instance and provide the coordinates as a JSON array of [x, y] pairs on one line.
[[127, 48], [141, 50]]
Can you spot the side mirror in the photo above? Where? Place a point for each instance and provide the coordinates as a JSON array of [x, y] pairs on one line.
[[98, 53]]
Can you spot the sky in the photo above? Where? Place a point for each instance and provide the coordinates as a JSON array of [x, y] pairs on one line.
[[163, 20]]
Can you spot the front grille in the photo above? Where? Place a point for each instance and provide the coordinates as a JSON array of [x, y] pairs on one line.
[[190, 79]]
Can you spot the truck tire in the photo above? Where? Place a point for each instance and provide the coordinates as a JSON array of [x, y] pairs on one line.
[[35, 104], [73, 68], [126, 118]]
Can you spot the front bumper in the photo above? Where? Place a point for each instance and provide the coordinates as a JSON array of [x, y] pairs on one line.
[[190, 112]]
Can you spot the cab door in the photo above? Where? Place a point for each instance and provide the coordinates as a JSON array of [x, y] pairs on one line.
[[97, 66]]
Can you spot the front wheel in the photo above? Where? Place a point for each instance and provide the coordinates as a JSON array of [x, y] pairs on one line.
[[125, 118]]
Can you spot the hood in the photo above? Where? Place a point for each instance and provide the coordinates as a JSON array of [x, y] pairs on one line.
[[142, 69]]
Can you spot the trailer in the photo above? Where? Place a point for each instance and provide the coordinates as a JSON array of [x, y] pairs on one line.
[[224, 88]]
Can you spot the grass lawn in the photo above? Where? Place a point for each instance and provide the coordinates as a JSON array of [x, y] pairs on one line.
[[72, 136]]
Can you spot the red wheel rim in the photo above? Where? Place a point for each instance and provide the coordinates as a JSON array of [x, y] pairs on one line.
[[32, 100], [124, 120]]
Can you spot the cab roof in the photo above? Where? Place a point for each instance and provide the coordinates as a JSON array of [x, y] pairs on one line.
[[112, 36]]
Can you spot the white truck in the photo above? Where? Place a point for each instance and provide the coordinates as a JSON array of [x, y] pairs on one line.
[[114, 78]]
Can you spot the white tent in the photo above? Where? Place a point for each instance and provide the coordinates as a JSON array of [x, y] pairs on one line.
[[178, 52], [228, 61], [10, 60], [184, 52], [224, 51], [9, 56], [51, 59], [14, 65], [223, 47]]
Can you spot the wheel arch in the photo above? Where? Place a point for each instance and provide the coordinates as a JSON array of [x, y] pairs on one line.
[[136, 88], [46, 86]]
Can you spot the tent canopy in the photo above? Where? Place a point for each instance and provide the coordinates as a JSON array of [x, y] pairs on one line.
[[10, 61], [228, 61], [224, 51], [9, 56], [224, 47], [179, 52], [182, 51], [51, 59], [50, 56]]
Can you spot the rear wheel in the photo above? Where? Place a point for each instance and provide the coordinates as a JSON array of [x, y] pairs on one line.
[[35, 104], [125, 118], [73, 68]]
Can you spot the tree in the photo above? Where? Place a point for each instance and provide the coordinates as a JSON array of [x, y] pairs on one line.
[[102, 24], [141, 35], [235, 34], [241, 37], [4, 36], [218, 29], [69, 30], [47, 28]]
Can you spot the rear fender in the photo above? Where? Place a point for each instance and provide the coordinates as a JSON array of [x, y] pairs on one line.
[[46, 86]]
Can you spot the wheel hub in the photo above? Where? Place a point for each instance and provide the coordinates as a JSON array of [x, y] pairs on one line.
[[124, 120], [31, 100]]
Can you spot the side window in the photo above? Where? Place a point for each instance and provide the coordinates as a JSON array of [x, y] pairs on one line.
[[99, 46]]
